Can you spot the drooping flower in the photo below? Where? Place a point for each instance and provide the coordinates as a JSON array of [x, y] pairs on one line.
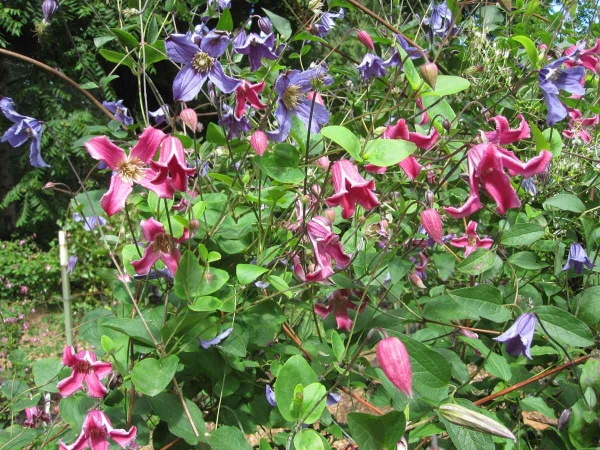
[[365, 39], [35, 416], [519, 337], [326, 245], [96, 430], [208, 343], [471, 241], [219, 5], [121, 112], [248, 93], [49, 8], [24, 128], [292, 87], [233, 125], [504, 135], [432, 222], [89, 222], [199, 55], [71, 264], [172, 161], [333, 398], [339, 303], [552, 78], [161, 246], [160, 115], [529, 186], [350, 188], [326, 23], [255, 47], [129, 169], [486, 163], [259, 142], [578, 126], [395, 59], [395, 363], [440, 22], [270, 395], [86, 368], [578, 55], [371, 66], [189, 117], [577, 259]]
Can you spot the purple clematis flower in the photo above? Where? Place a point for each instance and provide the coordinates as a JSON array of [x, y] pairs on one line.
[[371, 66], [292, 87], [121, 112], [326, 23], [199, 55], [270, 394], [49, 8], [161, 114], [519, 336], [89, 222], [233, 125], [552, 78], [24, 128], [71, 264], [206, 344], [577, 259], [440, 22], [219, 5], [396, 60], [255, 47]]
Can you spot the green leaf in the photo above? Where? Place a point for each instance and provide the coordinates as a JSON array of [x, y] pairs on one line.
[[151, 376], [17, 438], [74, 409], [345, 139], [295, 371], [377, 432], [189, 276], [530, 48], [448, 85], [264, 445], [526, 260], [101, 40], [247, 273], [282, 164], [225, 21], [281, 24], [412, 75], [118, 58], [541, 143], [483, 301], [213, 280], [169, 408], [215, 134], [135, 329], [537, 404], [308, 439], [553, 137], [387, 152], [228, 438], [565, 202], [522, 234], [466, 439], [152, 31], [45, 372], [314, 401], [155, 53], [125, 38], [589, 305], [477, 262], [564, 327], [205, 303], [494, 363], [338, 345]]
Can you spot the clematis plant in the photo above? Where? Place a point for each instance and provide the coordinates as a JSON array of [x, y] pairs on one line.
[[172, 161], [339, 303], [120, 111], [552, 79], [577, 259], [578, 126], [519, 336], [247, 93], [350, 188], [471, 241], [256, 47], [371, 66], [86, 367], [96, 430]]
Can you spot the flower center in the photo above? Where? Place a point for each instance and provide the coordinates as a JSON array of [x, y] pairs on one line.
[[83, 367], [131, 170], [163, 243], [202, 62], [292, 96]]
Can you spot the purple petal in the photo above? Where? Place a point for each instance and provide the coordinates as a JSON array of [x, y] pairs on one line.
[[187, 84], [216, 340], [215, 43], [180, 48], [222, 82]]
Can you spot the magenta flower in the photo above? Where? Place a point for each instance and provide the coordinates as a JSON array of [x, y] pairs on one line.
[[578, 55], [85, 368], [96, 430], [172, 160], [578, 125], [326, 246], [471, 241], [350, 188], [504, 134], [395, 363], [35, 416], [519, 337], [248, 93], [339, 303], [486, 164], [162, 246], [129, 169]]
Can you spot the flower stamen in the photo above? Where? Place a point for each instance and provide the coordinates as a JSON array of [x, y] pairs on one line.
[[131, 170], [202, 61], [292, 96]]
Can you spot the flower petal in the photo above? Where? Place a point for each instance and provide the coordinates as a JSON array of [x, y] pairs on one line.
[[187, 84], [101, 149], [147, 145], [114, 200]]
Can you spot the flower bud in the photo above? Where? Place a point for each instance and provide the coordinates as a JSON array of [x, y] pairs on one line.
[[366, 40], [429, 72], [429, 198], [432, 222], [330, 214], [416, 279], [323, 162], [318, 98], [447, 125], [189, 117], [193, 225], [265, 25], [563, 420], [49, 8], [395, 363], [506, 5], [465, 417], [259, 142]]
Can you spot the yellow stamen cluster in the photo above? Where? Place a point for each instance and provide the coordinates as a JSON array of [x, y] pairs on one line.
[[202, 62], [131, 170], [292, 96]]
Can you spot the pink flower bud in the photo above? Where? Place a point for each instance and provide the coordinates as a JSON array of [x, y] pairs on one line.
[[432, 222], [330, 214], [395, 363], [259, 142], [366, 40], [323, 162], [416, 279], [429, 72], [189, 117], [318, 98]]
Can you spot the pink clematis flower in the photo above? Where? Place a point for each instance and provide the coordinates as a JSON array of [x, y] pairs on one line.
[[339, 303], [578, 56], [85, 368], [248, 93], [162, 246], [350, 188], [172, 160], [96, 429], [471, 241], [326, 246], [578, 125], [486, 163], [504, 134], [129, 169], [35, 416]]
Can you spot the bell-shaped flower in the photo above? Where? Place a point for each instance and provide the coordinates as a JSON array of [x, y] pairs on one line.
[[578, 55], [35, 416], [291, 88], [326, 23], [96, 430], [350, 188], [172, 161], [85, 368], [255, 47], [577, 259], [233, 125], [339, 303], [208, 343], [440, 22], [89, 222], [371, 66], [160, 115], [395, 60], [519, 336], [199, 54], [24, 128], [49, 8], [120, 112], [219, 5], [552, 78], [161, 246], [471, 241], [578, 126], [248, 93], [395, 363], [504, 134], [129, 169]]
